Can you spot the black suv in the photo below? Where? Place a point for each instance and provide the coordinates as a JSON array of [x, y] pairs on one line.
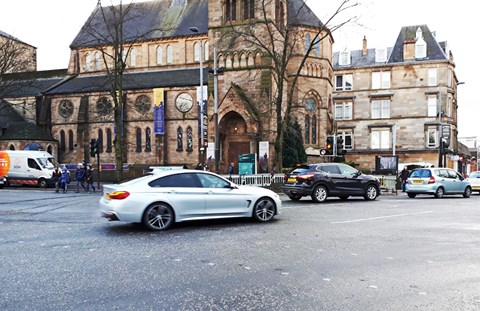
[[329, 179]]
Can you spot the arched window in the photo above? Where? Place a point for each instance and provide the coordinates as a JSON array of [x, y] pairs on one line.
[[88, 60], [62, 140], [139, 140], [12, 147], [230, 10], [196, 51], [316, 48], [307, 129], [248, 9], [70, 140], [100, 141], [308, 42], [159, 55], [133, 57], [189, 139], [179, 139], [109, 140], [148, 140], [96, 62], [314, 129], [50, 149], [169, 54]]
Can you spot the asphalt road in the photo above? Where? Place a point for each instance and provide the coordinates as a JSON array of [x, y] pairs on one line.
[[396, 253]]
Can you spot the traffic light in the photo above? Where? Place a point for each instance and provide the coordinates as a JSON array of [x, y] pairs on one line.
[[340, 150], [329, 144], [93, 147]]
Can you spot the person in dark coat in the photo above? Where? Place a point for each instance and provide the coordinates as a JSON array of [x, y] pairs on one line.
[[89, 178], [56, 177], [403, 177], [64, 179], [80, 177]]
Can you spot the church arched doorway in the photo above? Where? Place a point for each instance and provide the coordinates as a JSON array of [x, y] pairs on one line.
[[234, 140]]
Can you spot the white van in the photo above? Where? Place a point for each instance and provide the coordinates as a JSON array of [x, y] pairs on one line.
[[23, 167]]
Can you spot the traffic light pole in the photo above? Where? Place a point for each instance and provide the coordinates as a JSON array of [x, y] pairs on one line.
[[98, 170]]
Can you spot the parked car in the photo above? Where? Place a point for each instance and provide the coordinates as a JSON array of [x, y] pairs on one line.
[[437, 182], [163, 198], [324, 180], [474, 179]]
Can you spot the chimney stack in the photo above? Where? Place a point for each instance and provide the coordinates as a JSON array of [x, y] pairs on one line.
[[364, 49]]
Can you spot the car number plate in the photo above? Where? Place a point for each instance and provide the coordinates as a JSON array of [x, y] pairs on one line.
[[418, 181], [292, 179]]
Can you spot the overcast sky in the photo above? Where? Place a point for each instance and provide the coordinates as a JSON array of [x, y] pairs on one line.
[[51, 25]]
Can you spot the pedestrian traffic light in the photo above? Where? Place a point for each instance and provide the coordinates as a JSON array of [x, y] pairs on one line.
[[329, 144], [93, 147]]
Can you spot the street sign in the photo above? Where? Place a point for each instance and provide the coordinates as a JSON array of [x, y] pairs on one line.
[[446, 133]]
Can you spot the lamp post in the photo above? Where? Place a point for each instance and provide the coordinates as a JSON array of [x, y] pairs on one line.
[[202, 142], [215, 109]]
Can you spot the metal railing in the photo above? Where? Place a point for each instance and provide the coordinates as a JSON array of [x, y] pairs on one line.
[[261, 180]]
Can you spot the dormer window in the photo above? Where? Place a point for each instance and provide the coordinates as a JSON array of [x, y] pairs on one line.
[[420, 45], [344, 58], [380, 55]]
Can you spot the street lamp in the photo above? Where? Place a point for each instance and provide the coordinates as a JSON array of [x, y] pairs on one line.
[[202, 142]]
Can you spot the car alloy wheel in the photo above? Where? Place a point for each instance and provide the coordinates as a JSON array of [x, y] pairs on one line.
[[264, 210], [319, 194], [439, 192], [371, 193], [158, 216]]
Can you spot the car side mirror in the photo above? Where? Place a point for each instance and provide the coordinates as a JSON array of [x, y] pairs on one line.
[[357, 173]]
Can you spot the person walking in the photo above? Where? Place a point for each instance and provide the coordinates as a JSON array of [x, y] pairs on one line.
[[89, 178], [56, 177], [80, 177], [64, 179], [403, 177]]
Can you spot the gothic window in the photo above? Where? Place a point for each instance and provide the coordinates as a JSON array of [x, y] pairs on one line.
[[148, 140], [230, 10], [100, 141], [109, 140], [280, 14], [143, 104], [169, 54], [12, 147], [65, 108], [308, 42], [104, 106], [307, 129], [88, 60], [159, 55], [205, 57], [139, 140], [196, 51], [96, 61], [314, 129], [189, 139], [62, 140], [179, 139], [248, 9], [133, 57], [50, 149], [70, 140]]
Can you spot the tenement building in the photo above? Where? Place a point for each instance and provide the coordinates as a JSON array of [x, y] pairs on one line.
[[400, 99]]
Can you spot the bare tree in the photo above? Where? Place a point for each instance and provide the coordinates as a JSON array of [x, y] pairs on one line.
[[106, 32], [278, 42]]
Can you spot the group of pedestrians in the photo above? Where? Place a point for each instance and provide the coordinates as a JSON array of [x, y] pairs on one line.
[[83, 177]]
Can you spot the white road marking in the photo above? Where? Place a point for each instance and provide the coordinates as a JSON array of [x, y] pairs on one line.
[[380, 217]]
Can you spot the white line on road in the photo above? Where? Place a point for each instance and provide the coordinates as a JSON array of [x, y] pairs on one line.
[[380, 217]]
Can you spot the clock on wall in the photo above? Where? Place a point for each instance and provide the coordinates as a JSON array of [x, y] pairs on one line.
[[184, 102]]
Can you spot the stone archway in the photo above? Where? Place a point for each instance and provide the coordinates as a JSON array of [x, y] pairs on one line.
[[234, 140]]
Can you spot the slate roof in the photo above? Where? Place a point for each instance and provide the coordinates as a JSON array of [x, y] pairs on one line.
[[301, 15], [166, 18], [435, 50], [147, 21], [17, 128], [31, 84], [132, 81], [6, 35]]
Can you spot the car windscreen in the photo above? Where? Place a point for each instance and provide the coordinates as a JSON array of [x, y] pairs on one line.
[[300, 170], [474, 175]]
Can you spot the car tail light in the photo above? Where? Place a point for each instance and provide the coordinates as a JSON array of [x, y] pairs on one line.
[[431, 180], [305, 177], [118, 195], [285, 177]]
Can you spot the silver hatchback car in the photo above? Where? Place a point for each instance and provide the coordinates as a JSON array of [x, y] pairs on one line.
[[437, 181]]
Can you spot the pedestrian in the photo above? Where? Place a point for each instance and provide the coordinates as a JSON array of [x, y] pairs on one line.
[[56, 177], [80, 177], [89, 178], [64, 179], [403, 177], [231, 168]]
